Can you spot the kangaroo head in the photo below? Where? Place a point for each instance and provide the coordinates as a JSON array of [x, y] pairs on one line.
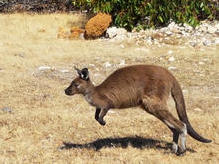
[[81, 84]]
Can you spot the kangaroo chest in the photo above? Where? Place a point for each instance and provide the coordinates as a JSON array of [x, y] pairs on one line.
[[89, 99]]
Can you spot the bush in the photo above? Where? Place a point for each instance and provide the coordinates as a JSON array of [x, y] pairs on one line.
[[150, 13]]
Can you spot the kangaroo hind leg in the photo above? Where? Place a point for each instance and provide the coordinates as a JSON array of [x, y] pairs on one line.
[[160, 110]]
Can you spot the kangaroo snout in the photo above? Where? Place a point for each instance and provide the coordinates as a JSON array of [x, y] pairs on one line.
[[68, 91]]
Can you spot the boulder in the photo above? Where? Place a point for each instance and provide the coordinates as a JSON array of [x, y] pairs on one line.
[[97, 25]]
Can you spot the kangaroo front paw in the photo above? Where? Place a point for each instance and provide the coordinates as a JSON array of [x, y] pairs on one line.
[[102, 122], [96, 118]]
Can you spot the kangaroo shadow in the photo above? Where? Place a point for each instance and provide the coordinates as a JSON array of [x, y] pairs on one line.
[[136, 142]]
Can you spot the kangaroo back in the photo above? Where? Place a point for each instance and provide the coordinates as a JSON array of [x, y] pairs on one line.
[[181, 111]]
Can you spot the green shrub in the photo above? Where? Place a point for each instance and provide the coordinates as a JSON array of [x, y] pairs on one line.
[[150, 13]]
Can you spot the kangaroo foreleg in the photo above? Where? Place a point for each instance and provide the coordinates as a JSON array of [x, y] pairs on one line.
[[101, 116], [97, 113]]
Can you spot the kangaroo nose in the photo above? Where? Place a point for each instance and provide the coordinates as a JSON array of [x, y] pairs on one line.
[[67, 91]]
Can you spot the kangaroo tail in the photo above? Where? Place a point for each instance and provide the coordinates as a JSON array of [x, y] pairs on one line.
[[177, 95]]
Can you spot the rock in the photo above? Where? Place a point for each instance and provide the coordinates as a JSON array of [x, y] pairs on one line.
[[92, 65], [64, 70], [6, 109], [62, 33], [97, 74], [193, 44], [198, 109], [185, 91], [206, 42], [97, 25], [206, 34], [122, 62], [172, 25], [171, 59], [170, 52], [211, 29], [114, 31], [107, 64], [201, 63], [188, 28], [216, 41], [112, 111], [171, 68], [168, 33], [142, 49], [43, 68], [122, 46], [111, 32], [76, 33]]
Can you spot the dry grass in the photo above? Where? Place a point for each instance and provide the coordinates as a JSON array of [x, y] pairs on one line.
[[43, 118]]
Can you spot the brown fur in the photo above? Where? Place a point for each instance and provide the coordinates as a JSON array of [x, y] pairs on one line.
[[147, 86]]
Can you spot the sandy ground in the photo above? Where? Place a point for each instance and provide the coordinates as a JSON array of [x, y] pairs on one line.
[[45, 126]]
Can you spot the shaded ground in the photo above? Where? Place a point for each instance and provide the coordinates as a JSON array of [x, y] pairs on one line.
[[45, 126], [39, 6]]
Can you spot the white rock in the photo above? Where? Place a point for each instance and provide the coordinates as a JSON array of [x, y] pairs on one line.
[[43, 68], [122, 46], [111, 32], [193, 44], [6, 109], [170, 52], [168, 32], [198, 109], [111, 111], [122, 62], [92, 65], [142, 49], [97, 74], [187, 27], [107, 64], [185, 91], [172, 25], [64, 70], [171, 68], [206, 42], [205, 59], [171, 59], [217, 41], [201, 63], [115, 32], [81, 36], [211, 29]]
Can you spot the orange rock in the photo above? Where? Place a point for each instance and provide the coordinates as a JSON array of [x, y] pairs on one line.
[[77, 29], [76, 33], [97, 25], [62, 34]]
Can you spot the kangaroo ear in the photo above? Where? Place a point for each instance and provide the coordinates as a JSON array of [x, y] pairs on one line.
[[78, 70], [84, 74]]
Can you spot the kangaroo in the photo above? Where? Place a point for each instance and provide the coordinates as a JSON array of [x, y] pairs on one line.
[[146, 86]]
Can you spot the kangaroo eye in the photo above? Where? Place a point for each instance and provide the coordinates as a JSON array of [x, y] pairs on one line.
[[76, 85]]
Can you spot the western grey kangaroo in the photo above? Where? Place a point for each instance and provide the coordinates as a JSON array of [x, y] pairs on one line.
[[146, 86]]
